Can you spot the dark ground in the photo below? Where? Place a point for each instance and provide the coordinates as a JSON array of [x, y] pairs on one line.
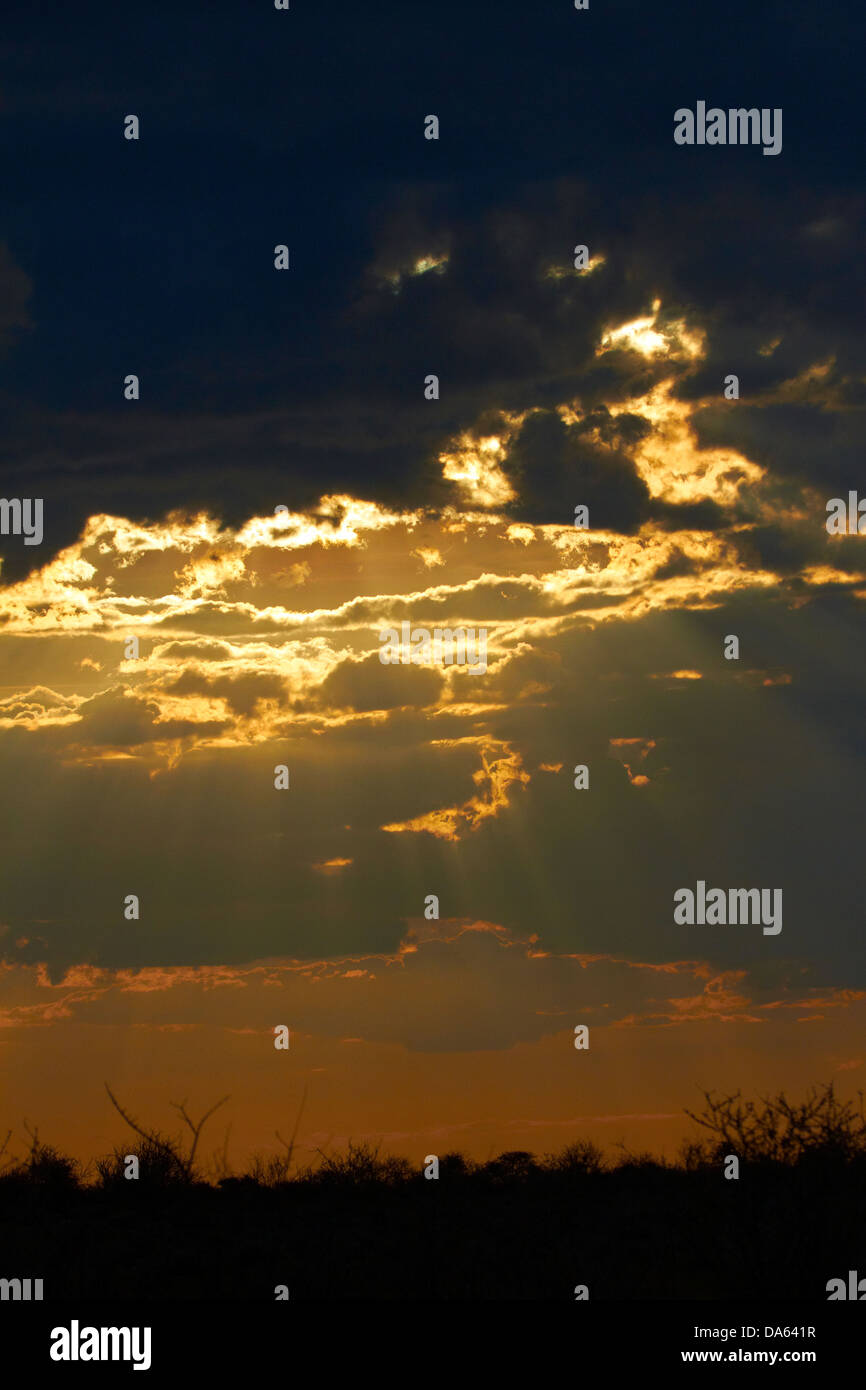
[[640, 1232]]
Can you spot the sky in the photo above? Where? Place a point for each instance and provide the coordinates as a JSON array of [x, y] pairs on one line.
[[283, 491]]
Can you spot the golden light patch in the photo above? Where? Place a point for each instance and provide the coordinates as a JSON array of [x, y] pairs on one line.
[[625, 567], [639, 336], [476, 466], [525, 535], [826, 574], [338, 519], [204, 601], [651, 338], [333, 866], [430, 558], [39, 708], [630, 751], [427, 263], [395, 275], [564, 272], [209, 576], [501, 768], [670, 461]]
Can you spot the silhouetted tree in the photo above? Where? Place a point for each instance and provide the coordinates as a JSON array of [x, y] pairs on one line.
[[777, 1130]]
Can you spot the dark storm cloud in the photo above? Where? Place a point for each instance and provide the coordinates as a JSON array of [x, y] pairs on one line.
[[259, 388], [192, 651], [243, 693], [371, 685], [553, 467], [802, 443], [787, 550], [498, 333], [120, 719]]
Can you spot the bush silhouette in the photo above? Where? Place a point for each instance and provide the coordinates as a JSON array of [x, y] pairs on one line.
[[583, 1156], [777, 1130], [455, 1165], [266, 1170], [361, 1223], [44, 1167], [770, 1131], [160, 1164], [516, 1165], [162, 1161], [360, 1165]]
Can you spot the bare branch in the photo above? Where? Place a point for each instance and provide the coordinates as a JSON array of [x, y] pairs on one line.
[[6, 1161], [196, 1128], [150, 1135], [290, 1147]]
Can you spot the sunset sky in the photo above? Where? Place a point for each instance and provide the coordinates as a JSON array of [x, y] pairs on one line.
[[259, 631]]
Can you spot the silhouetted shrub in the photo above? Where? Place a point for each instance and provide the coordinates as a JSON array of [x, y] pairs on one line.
[[777, 1130], [160, 1164], [455, 1165], [45, 1167], [583, 1156], [513, 1165], [360, 1165], [49, 1168], [268, 1170]]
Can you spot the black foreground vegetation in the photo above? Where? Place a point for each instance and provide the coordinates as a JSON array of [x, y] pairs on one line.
[[361, 1225]]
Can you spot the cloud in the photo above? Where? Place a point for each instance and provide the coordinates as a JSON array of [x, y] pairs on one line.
[[370, 685], [38, 706], [243, 693], [556, 466], [117, 718], [521, 994]]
